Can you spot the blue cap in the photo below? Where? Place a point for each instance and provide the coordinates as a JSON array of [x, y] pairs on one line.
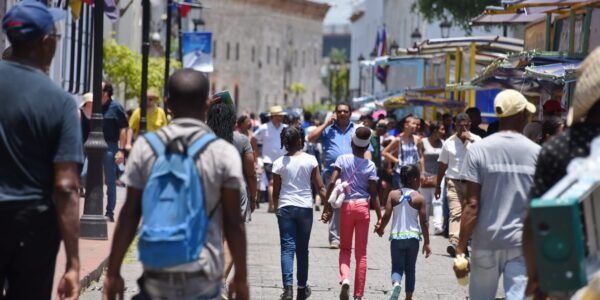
[[30, 19]]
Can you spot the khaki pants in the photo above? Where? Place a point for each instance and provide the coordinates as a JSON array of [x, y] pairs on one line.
[[456, 200]]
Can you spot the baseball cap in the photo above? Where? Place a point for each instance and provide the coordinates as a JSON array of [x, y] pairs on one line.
[[553, 106], [510, 102], [587, 90], [30, 19]]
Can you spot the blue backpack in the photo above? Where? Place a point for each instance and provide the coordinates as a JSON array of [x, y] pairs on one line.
[[174, 218]]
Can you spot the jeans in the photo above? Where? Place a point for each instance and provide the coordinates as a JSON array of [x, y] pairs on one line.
[[334, 225], [110, 178], [295, 224], [396, 181], [30, 242], [488, 265], [355, 216], [404, 260]]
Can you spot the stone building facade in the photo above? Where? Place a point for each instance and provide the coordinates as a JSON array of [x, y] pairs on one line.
[[262, 46]]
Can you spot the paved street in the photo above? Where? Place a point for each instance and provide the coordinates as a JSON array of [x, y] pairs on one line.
[[434, 275]]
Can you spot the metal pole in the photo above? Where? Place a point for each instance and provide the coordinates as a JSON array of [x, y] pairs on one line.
[[167, 52], [359, 79], [372, 81], [572, 32], [179, 34], [548, 32], [472, 67], [93, 225], [145, 54]]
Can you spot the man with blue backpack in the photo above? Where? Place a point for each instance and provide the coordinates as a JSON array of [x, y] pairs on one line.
[[183, 183]]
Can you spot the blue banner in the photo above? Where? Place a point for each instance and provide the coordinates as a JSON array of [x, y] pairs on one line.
[[197, 51]]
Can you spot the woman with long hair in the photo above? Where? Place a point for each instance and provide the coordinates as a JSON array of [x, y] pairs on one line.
[[293, 174], [432, 147]]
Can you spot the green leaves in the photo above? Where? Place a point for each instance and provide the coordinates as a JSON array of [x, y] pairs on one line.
[[122, 66], [461, 12]]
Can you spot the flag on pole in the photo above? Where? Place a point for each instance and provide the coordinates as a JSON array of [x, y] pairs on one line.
[[184, 9], [381, 46]]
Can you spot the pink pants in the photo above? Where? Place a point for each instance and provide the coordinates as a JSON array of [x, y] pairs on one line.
[[354, 216]]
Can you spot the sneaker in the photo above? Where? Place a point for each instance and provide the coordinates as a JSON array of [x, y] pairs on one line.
[[110, 219], [345, 292], [224, 293], [451, 250], [288, 293], [303, 293], [334, 245], [317, 208], [395, 291]]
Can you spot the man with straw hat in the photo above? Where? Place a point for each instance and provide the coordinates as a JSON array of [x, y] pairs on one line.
[[556, 154], [269, 136]]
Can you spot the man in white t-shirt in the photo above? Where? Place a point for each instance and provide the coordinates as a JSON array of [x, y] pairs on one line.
[[269, 136], [449, 164]]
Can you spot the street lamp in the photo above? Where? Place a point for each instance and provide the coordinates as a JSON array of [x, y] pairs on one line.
[[445, 28], [415, 37], [361, 58], [198, 22], [92, 223]]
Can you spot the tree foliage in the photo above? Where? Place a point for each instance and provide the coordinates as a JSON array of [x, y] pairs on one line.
[[123, 66], [461, 12], [339, 75]]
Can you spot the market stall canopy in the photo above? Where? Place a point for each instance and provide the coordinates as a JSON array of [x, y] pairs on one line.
[[488, 48], [527, 71], [525, 11]]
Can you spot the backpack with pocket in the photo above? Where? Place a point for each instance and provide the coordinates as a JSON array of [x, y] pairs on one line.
[[174, 216]]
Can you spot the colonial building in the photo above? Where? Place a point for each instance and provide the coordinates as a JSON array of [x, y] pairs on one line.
[[261, 47]]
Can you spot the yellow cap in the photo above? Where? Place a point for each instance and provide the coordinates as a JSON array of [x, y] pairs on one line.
[[510, 102]]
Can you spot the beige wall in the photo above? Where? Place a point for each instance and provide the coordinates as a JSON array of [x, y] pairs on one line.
[[261, 82]]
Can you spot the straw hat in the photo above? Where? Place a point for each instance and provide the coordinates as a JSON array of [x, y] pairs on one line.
[[587, 91], [87, 98], [277, 110]]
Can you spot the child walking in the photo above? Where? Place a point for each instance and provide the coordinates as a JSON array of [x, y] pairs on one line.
[[360, 179], [409, 224], [293, 174]]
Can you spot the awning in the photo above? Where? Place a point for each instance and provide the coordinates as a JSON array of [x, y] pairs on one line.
[[500, 19], [560, 73]]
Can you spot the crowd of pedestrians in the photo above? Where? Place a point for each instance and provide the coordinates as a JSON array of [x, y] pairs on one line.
[[197, 174]]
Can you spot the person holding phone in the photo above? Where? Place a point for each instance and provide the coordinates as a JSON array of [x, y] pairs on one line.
[[335, 135]]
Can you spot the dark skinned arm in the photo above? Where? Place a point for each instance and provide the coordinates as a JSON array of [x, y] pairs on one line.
[[276, 189], [66, 199], [250, 176], [375, 199], [235, 234], [421, 205], [127, 225], [318, 183], [468, 219], [328, 210], [442, 167]]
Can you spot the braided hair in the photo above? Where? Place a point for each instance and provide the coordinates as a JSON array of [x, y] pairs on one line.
[[221, 119], [292, 137], [408, 173]]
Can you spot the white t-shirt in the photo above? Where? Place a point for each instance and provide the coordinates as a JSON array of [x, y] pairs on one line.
[[453, 153], [270, 138], [295, 173]]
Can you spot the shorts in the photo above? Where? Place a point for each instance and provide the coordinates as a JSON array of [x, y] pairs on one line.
[[268, 170]]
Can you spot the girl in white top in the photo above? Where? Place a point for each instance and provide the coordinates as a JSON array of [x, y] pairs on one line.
[[432, 146], [293, 174], [409, 225]]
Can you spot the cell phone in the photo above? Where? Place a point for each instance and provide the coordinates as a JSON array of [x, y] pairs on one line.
[[224, 96]]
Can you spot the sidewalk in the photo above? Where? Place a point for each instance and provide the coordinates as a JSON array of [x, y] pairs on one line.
[[435, 278], [93, 254]]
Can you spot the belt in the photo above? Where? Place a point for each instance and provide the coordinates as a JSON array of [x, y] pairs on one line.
[[459, 180], [173, 276]]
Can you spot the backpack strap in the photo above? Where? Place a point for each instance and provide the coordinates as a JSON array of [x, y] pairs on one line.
[[200, 143], [158, 146]]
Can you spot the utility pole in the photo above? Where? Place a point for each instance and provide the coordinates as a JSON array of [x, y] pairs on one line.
[[167, 52], [145, 54]]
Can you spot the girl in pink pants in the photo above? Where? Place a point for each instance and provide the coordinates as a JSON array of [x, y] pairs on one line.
[[361, 176]]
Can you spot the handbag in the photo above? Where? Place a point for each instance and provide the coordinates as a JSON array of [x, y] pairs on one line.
[[429, 181]]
